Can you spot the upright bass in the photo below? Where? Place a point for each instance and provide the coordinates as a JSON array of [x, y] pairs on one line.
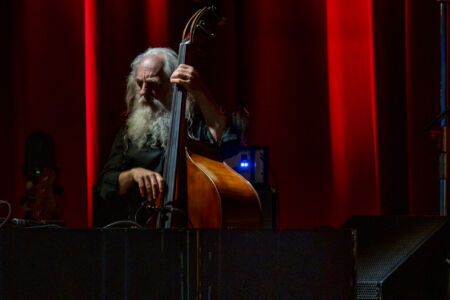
[[212, 193]]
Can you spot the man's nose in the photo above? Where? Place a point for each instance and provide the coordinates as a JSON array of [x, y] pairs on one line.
[[143, 89]]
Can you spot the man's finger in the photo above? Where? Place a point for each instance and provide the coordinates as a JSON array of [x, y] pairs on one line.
[[141, 184], [182, 75], [160, 183], [148, 187], [155, 188], [179, 81]]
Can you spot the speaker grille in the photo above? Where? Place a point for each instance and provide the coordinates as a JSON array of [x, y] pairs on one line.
[[386, 244], [367, 290]]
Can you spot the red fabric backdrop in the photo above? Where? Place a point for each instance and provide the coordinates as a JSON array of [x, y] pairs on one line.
[[340, 92]]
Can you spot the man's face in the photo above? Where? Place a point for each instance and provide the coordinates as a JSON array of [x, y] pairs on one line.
[[151, 80]]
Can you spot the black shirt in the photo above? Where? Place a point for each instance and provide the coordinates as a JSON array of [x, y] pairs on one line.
[[125, 155]]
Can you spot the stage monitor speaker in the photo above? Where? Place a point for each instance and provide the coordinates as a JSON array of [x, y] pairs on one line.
[[401, 257]]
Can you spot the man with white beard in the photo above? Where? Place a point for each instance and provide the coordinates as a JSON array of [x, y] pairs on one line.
[[133, 171]]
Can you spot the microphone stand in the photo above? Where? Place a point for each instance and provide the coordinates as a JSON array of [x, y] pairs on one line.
[[444, 110]]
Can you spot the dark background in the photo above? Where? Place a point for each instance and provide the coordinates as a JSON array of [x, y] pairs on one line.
[[340, 92]]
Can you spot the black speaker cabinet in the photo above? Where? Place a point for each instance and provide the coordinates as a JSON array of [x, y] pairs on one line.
[[401, 257], [176, 264]]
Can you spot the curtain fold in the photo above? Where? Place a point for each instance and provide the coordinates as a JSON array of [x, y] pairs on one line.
[[91, 82], [353, 114], [48, 95]]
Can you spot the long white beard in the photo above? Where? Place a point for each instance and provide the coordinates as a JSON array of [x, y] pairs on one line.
[[151, 125], [147, 126]]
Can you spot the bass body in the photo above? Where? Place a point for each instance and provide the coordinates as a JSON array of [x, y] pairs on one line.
[[218, 197]]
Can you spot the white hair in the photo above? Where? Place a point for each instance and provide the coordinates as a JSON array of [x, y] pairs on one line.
[[147, 125], [171, 63]]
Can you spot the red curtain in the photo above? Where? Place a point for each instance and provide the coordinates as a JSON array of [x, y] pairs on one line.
[[353, 114], [91, 83], [287, 94], [340, 92], [46, 92]]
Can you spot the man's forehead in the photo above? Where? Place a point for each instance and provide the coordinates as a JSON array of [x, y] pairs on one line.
[[151, 65]]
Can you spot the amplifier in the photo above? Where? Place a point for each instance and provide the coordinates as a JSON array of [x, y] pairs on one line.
[[252, 163]]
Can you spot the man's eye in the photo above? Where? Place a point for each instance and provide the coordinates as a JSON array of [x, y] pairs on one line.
[[139, 83]]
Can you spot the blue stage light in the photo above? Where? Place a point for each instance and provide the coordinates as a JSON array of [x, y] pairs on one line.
[[251, 163], [244, 164]]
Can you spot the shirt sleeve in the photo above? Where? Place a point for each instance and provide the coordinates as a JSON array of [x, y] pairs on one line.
[[228, 144], [107, 186]]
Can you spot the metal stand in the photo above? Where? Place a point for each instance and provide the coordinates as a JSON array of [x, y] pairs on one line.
[[443, 155]]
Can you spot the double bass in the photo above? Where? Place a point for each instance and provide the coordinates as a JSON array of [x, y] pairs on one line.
[[212, 193]]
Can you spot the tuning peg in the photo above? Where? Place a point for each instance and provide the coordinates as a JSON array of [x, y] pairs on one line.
[[201, 25]]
